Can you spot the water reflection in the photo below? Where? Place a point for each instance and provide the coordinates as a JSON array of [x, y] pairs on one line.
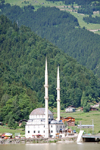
[[71, 146], [37, 146]]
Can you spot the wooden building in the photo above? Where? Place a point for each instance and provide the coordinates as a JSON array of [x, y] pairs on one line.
[[69, 120]]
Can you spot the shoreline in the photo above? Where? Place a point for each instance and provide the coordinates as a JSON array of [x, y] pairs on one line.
[[38, 140]]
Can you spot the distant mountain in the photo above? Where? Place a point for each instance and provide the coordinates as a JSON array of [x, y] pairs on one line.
[[62, 29]]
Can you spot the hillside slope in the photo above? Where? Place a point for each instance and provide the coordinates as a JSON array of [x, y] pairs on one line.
[[62, 29], [22, 65]]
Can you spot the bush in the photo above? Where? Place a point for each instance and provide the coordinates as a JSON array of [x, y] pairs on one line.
[[86, 108], [23, 125]]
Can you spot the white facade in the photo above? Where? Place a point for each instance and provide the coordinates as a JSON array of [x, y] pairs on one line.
[[41, 121], [36, 124], [56, 127]]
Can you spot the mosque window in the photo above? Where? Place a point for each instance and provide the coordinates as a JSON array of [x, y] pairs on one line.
[[33, 131], [43, 131], [28, 131], [38, 131], [51, 126], [51, 131]]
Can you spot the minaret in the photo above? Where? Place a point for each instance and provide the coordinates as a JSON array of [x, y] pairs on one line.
[[58, 95], [46, 101]]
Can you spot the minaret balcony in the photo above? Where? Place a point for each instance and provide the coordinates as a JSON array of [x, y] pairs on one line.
[[46, 98], [57, 88], [58, 100], [46, 86]]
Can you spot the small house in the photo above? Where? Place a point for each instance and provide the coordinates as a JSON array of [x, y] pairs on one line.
[[69, 120], [21, 121], [93, 109], [70, 109], [1, 124]]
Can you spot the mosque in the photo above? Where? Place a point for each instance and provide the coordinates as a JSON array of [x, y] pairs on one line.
[[41, 121]]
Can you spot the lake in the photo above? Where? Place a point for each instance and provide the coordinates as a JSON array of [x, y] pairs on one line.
[[53, 146]]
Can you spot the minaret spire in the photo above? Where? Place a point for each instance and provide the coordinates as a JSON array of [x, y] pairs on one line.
[[58, 94], [46, 100]]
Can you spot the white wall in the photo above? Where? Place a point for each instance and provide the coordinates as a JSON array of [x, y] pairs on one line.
[[31, 130]]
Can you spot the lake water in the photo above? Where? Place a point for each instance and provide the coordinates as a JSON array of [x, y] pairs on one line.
[[71, 146]]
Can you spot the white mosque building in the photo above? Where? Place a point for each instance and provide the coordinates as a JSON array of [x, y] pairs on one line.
[[41, 120]]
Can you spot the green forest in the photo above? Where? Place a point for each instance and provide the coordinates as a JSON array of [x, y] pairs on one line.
[[87, 6], [60, 28], [22, 65], [91, 19], [83, 2]]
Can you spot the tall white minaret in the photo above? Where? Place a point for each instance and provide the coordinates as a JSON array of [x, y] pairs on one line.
[[58, 94], [46, 101]]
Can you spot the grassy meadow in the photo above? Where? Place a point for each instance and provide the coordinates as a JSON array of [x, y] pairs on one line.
[[4, 129], [82, 23], [36, 3], [85, 118]]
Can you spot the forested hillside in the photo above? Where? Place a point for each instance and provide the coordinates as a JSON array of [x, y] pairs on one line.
[[22, 65], [60, 28], [91, 19], [83, 2], [85, 6]]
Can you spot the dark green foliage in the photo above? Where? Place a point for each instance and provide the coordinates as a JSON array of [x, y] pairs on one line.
[[60, 28], [79, 2], [86, 10], [87, 6], [91, 19], [11, 123], [86, 107], [17, 99], [22, 65], [2, 1], [23, 125]]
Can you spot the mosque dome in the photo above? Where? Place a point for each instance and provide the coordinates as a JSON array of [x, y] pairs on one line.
[[40, 111]]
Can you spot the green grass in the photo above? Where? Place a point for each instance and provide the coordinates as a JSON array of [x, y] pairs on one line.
[[98, 32], [88, 26], [4, 129], [82, 23], [36, 3], [85, 118]]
